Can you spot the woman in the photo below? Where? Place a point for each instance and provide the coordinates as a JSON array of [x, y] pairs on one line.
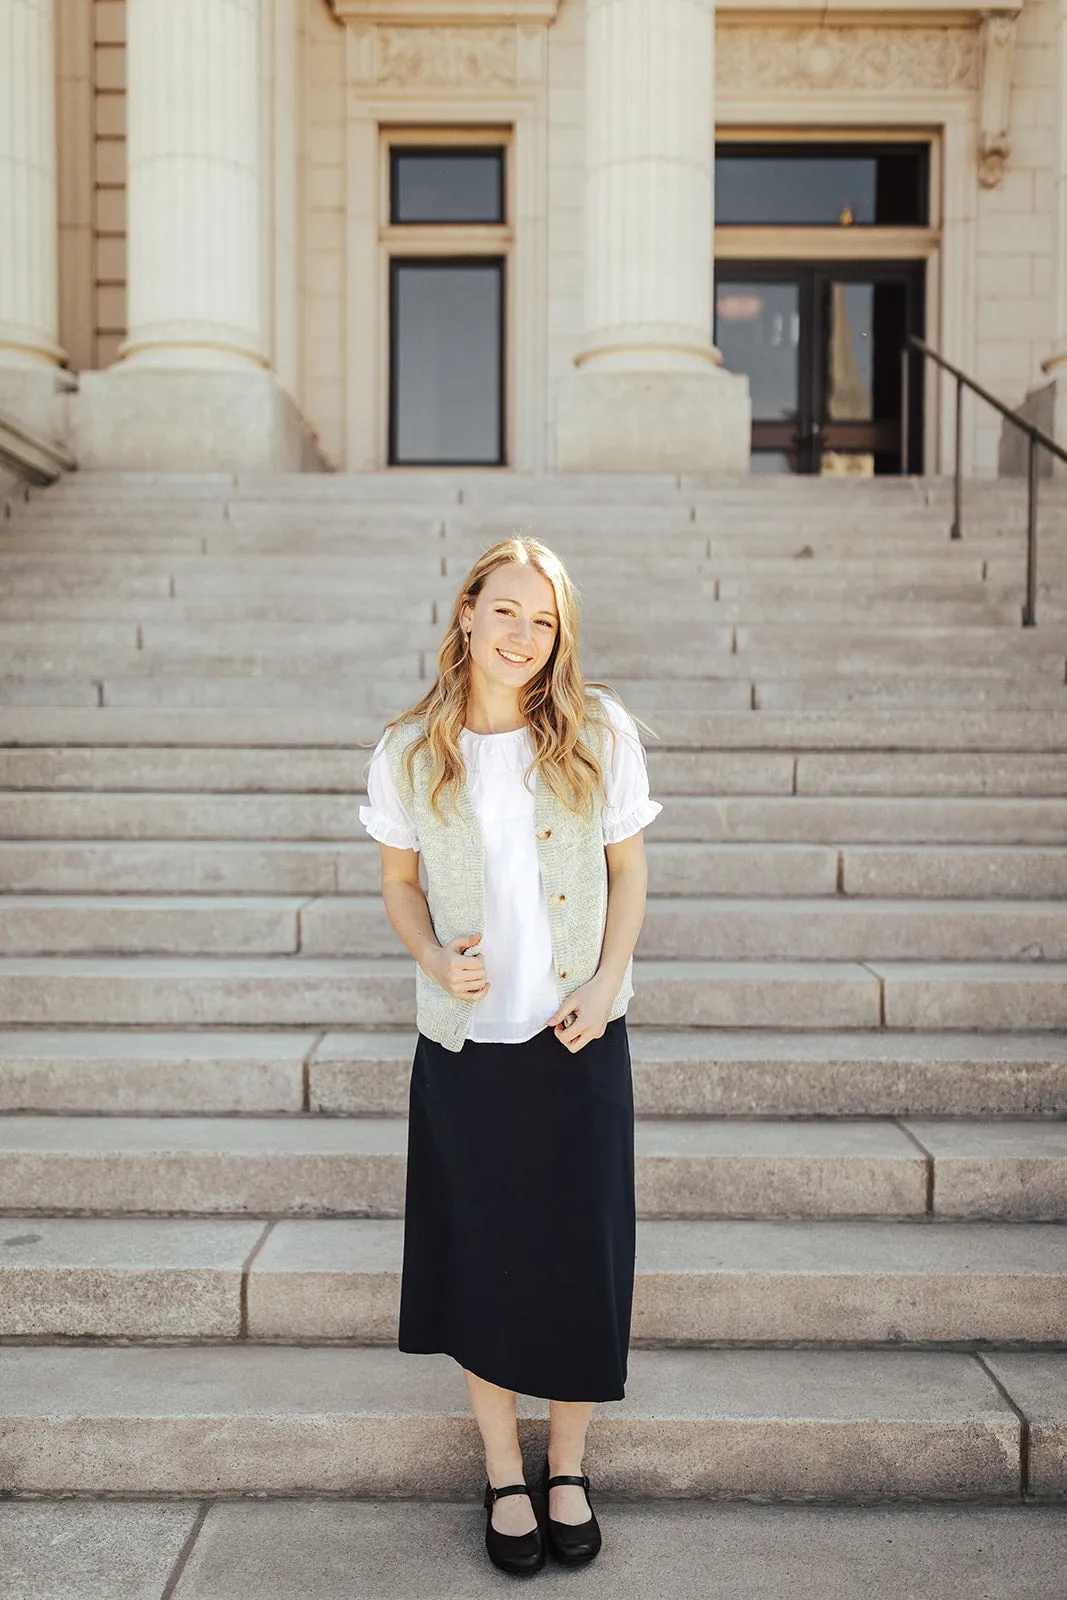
[[526, 795]]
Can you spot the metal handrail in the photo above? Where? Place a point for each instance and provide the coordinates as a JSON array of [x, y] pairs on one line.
[[1035, 435]]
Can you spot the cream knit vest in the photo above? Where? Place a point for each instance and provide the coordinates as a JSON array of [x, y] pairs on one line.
[[570, 853]]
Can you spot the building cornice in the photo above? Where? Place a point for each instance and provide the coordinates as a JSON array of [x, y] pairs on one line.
[[447, 13], [842, 13], [515, 13]]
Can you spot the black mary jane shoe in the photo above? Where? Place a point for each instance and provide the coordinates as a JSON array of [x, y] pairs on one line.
[[512, 1552], [570, 1542]]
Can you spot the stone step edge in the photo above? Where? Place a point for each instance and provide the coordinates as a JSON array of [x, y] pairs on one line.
[[713, 1044], [254, 1280], [1043, 732], [783, 1423], [164, 1072]]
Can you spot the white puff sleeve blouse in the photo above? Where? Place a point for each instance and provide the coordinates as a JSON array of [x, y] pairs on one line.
[[516, 942]]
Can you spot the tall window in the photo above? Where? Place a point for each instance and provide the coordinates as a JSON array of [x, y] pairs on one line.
[[447, 236]]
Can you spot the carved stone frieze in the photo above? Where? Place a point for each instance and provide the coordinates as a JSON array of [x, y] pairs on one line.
[[447, 58], [871, 59]]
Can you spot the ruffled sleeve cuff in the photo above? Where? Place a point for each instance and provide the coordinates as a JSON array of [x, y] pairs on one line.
[[619, 825], [380, 827]]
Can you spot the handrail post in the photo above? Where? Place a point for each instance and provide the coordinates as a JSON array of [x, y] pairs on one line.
[[1030, 607], [1037, 440], [957, 520]]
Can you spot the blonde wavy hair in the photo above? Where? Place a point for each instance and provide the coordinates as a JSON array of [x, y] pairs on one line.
[[556, 703]]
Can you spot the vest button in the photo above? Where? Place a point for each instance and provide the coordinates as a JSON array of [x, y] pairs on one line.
[[544, 833], [561, 897], [563, 974]]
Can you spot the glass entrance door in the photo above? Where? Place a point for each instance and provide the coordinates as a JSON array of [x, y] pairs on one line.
[[821, 344]]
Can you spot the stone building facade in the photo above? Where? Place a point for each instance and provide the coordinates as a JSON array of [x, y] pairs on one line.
[[540, 234]]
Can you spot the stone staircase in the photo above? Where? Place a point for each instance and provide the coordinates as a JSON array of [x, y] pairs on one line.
[[849, 1036]]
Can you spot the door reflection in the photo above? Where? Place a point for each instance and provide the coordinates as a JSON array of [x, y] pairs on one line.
[[757, 327]]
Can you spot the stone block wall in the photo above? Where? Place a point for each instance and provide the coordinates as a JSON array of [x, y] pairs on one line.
[[1015, 312], [109, 179]]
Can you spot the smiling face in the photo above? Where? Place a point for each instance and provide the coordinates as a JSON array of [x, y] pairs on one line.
[[512, 623]]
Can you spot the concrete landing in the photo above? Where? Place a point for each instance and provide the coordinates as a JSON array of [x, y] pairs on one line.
[[396, 1550]]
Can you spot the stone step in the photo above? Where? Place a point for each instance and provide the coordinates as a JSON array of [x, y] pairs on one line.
[[349, 544], [173, 629], [389, 696], [675, 928], [671, 772], [732, 819], [675, 1073], [51, 596], [165, 924], [270, 533], [172, 573], [96, 1072], [49, 692], [865, 819], [760, 1283], [722, 929], [472, 499], [912, 772], [304, 991], [953, 871], [840, 1424], [276, 613], [946, 646], [235, 867], [805, 544], [1028, 693], [197, 867], [715, 1167], [635, 673], [352, 666], [986, 730]]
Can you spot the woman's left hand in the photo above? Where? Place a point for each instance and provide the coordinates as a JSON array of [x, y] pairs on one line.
[[587, 1008]]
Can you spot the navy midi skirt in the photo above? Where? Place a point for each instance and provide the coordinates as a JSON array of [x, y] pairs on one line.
[[519, 1224]]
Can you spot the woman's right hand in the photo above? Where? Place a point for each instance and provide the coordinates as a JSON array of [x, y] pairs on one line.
[[459, 974]]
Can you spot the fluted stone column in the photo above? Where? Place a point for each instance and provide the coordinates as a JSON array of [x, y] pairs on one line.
[[29, 298], [649, 393], [192, 387], [194, 183], [1056, 365]]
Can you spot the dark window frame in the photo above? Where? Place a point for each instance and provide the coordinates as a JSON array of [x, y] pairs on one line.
[[832, 150], [445, 263], [464, 152]]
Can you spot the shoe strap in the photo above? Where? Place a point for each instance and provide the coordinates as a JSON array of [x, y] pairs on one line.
[[583, 1481], [492, 1494]]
